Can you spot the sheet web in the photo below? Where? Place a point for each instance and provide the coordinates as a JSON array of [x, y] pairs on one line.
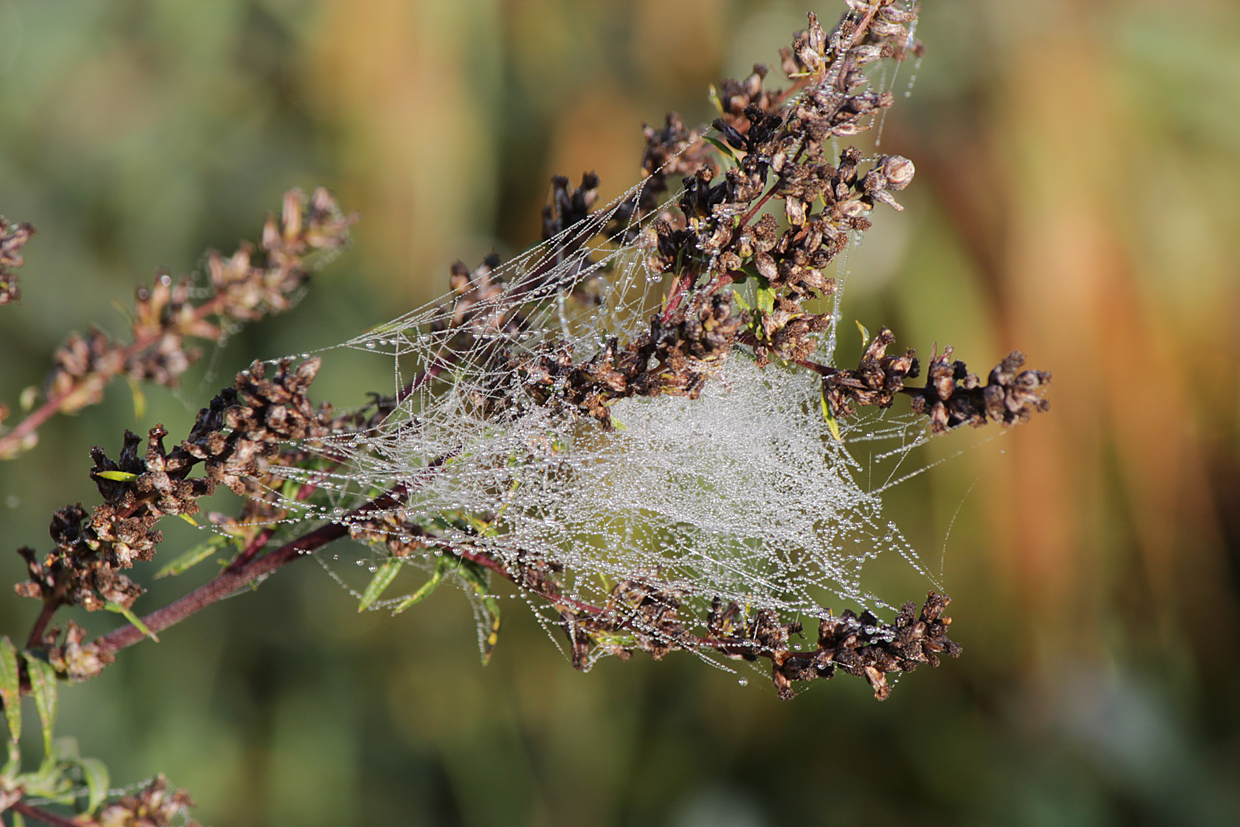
[[747, 494]]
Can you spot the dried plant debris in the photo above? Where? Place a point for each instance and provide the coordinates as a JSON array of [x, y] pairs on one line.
[[12, 238]]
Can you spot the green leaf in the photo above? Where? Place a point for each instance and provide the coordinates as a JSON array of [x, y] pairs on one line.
[[95, 774], [739, 300], [12, 766], [43, 687], [11, 687], [194, 556], [713, 97], [139, 399], [131, 617], [723, 148], [765, 298], [383, 578], [442, 566], [865, 334], [829, 415], [487, 606], [117, 476]]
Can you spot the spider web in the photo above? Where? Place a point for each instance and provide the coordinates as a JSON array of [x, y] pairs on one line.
[[744, 494]]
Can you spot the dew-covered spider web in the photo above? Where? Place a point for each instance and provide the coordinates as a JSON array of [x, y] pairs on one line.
[[746, 494]]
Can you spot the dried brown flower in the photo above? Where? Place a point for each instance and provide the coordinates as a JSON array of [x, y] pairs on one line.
[[12, 237], [153, 806]]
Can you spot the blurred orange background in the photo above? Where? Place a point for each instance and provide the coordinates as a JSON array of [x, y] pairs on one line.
[[1075, 198]]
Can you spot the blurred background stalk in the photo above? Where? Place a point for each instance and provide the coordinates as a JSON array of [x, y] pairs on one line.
[[1075, 198]]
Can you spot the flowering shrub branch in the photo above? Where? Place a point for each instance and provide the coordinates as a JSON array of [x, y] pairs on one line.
[[769, 154]]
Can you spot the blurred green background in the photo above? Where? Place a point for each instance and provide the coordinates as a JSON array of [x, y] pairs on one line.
[[1075, 197]]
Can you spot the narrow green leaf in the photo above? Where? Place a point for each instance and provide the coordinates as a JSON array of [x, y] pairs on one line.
[[713, 97], [139, 399], [383, 578], [765, 298], [865, 334], [194, 556], [723, 148], [487, 606], [442, 566], [18, 819], [11, 688], [117, 476], [829, 415], [131, 617], [95, 774], [43, 687]]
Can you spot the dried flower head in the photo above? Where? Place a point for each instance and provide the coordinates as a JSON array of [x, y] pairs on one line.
[[12, 237]]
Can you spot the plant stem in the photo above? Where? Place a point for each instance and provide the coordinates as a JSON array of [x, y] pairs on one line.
[[43, 815]]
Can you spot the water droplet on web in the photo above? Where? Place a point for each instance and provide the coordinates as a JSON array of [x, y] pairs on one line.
[[743, 681]]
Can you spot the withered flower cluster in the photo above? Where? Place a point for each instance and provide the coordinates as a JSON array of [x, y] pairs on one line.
[[153, 806], [246, 286], [775, 149], [166, 315], [642, 615], [858, 645], [233, 439], [952, 396], [12, 237]]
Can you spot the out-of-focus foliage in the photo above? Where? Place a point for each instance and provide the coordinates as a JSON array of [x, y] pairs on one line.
[[1075, 198]]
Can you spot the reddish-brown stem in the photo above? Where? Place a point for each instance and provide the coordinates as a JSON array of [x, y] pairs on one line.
[[44, 816], [681, 285], [51, 604], [263, 537]]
